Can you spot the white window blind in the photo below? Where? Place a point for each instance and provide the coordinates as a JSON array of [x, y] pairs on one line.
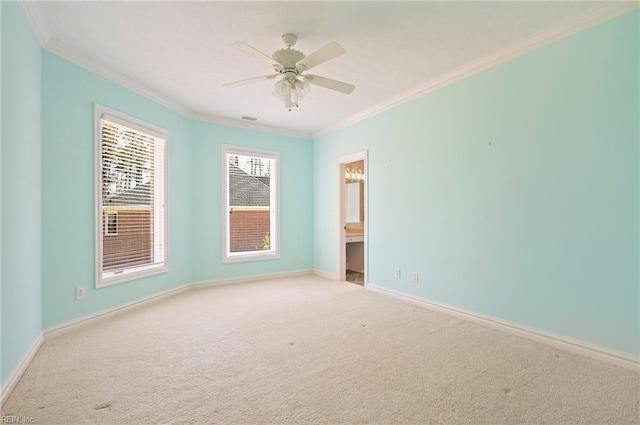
[[131, 199]]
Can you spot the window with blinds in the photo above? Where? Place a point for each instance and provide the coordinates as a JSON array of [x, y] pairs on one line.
[[250, 204], [131, 198]]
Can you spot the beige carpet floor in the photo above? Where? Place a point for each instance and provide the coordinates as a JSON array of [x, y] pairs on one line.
[[310, 351]]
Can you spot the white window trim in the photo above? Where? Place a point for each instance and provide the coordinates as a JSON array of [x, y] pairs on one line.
[[275, 209], [112, 278]]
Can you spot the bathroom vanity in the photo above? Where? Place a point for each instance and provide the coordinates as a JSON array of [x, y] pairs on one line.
[[354, 229], [354, 239]]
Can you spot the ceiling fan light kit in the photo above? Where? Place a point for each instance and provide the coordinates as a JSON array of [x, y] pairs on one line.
[[289, 64]]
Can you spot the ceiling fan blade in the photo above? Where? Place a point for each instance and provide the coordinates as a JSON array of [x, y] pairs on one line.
[[321, 55], [250, 81], [257, 54], [328, 83]]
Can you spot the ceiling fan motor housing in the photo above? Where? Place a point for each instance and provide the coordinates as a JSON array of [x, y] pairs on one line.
[[289, 64], [288, 58]]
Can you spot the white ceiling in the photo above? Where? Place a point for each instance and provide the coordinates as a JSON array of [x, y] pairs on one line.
[[182, 50]]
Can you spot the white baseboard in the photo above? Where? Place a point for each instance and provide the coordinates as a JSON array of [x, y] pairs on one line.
[[79, 322], [576, 346], [235, 280], [558, 341], [326, 275], [16, 374]]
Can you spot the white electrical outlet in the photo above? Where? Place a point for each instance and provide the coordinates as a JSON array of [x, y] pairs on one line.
[[296, 257], [79, 292], [397, 273], [415, 277]]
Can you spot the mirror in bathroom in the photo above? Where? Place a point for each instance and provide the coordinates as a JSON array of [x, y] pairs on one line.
[[353, 203]]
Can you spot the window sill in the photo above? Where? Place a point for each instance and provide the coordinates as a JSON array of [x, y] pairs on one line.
[[111, 278], [250, 256]]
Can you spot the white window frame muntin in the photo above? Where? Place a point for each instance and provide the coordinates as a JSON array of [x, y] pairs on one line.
[[274, 187], [106, 224], [132, 273]]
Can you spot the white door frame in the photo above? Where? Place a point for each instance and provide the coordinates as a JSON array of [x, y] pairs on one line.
[[342, 247]]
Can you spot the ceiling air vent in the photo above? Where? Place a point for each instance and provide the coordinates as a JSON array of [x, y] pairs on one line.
[[246, 118]]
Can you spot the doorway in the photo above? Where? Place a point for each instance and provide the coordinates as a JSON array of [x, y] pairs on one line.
[[353, 223]]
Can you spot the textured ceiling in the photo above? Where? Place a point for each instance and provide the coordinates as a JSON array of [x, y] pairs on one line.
[[182, 50]]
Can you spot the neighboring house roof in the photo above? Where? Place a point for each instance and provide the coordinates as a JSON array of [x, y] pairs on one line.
[[246, 190], [139, 195], [265, 179]]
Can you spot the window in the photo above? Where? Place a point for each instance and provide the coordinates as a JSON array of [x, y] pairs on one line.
[[111, 224], [250, 204], [131, 199]]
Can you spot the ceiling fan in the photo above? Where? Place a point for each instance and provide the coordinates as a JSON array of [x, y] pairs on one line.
[[289, 64]]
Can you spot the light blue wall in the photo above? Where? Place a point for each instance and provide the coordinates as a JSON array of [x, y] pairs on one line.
[[540, 227], [68, 146], [296, 215], [21, 188], [514, 193], [68, 95], [1, 72]]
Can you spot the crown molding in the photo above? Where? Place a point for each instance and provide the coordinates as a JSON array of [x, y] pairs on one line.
[[62, 50], [232, 122], [35, 19], [590, 18]]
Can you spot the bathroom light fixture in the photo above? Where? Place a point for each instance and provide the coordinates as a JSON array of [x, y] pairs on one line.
[[354, 174]]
